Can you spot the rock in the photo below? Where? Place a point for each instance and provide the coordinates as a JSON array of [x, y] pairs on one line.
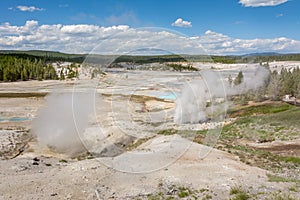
[[35, 163], [36, 159]]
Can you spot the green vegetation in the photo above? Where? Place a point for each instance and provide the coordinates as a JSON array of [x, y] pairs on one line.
[[294, 160], [254, 58], [52, 56], [24, 67], [260, 109], [179, 67], [180, 192], [46, 56], [238, 193], [281, 196], [184, 192], [150, 59], [264, 123], [13, 68], [137, 143], [259, 124], [275, 178], [285, 82], [239, 79]]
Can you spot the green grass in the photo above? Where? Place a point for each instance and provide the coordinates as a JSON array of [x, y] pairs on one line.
[[203, 190], [188, 134], [184, 192], [275, 178], [282, 196], [207, 197], [291, 159], [180, 192], [293, 189], [238, 193], [260, 109], [282, 125], [167, 132], [137, 143]]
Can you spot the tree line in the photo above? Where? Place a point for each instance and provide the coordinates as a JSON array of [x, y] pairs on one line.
[[275, 87], [287, 82], [14, 68]]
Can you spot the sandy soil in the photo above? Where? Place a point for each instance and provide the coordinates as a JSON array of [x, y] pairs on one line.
[[30, 176]]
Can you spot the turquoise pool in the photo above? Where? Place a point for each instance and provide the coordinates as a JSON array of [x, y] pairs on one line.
[[15, 119]]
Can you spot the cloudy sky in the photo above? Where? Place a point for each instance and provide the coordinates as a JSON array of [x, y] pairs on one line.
[[115, 26]]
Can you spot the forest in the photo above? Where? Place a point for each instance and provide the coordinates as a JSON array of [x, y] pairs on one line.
[[287, 82], [23, 68], [276, 86]]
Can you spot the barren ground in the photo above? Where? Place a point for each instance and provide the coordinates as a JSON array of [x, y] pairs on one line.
[[132, 161]]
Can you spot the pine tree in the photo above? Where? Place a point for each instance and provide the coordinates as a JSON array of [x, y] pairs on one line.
[[239, 79], [230, 80], [273, 89]]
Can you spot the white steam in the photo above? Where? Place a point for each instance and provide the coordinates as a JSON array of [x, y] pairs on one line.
[[63, 119], [199, 99]]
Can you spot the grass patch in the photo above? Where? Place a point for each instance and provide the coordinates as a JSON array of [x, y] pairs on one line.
[[206, 197], [275, 178], [294, 160], [265, 128], [137, 143], [238, 193], [173, 191], [183, 192], [282, 196], [293, 189], [189, 134], [167, 132], [260, 109]]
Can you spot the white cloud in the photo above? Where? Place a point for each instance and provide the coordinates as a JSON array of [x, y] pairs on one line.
[[63, 5], [239, 22], [217, 43], [83, 38], [124, 18], [181, 23], [279, 15], [29, 8], [258, 3]]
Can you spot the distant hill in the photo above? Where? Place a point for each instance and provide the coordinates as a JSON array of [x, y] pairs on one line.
[[263, 54], [47, 55], [53, 56]]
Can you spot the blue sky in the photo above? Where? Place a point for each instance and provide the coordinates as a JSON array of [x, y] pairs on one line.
[[234, 19]]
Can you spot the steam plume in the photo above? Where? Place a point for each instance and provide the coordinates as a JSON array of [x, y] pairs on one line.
[[191, 105], [63, 119]]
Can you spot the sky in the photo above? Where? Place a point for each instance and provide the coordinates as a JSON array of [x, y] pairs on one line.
[[220, 27]]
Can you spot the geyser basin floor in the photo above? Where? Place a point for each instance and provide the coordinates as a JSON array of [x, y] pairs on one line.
[[139, 114]]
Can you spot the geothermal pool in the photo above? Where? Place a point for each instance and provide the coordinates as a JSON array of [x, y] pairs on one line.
[[15, 119]]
